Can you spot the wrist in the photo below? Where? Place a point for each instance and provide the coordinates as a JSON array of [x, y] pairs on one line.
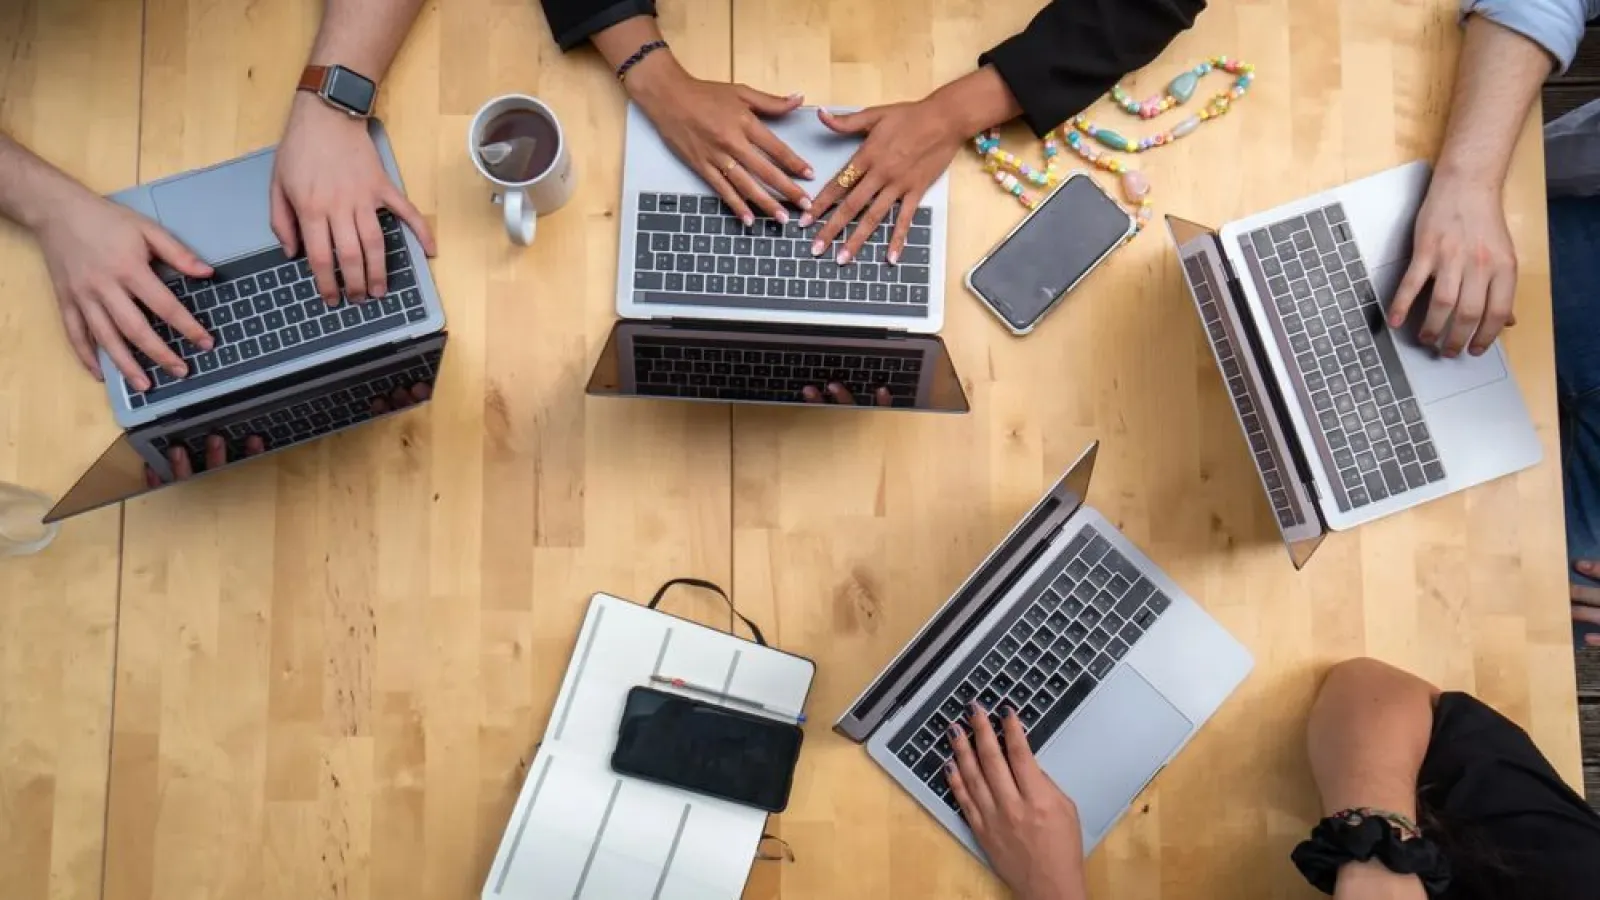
[[308, 110], [975, 103], [655, 77], [1371, 879], [1463, 174], [52, 198]]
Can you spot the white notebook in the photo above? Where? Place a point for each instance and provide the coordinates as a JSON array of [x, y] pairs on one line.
[[580, 831]]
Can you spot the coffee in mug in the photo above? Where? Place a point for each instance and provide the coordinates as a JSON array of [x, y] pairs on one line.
[[517, 143]]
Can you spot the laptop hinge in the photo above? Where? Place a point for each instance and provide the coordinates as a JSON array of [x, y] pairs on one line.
[[852, 331]]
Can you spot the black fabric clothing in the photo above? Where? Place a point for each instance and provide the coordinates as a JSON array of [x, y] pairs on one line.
[[1072, 52], [1075, 50], [572, 21], [1511, 827]]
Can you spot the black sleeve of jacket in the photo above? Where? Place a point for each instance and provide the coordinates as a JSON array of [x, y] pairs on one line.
[[1075, 50], [572, 21]]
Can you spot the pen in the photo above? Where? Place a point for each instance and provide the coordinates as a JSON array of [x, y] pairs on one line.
[[682, 685]]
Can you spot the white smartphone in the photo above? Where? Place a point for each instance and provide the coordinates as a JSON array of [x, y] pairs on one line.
[[1059, 243]]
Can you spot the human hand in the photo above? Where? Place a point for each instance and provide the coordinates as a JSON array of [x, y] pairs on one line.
[[908, 146], [716, 129], [216, 456], [1026, 826], [327, 187], [99, 254], [400, 398], [1586, 600], [1462, 245], [839, 394]]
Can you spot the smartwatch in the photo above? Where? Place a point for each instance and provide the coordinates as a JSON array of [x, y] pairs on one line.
[[343, 89]]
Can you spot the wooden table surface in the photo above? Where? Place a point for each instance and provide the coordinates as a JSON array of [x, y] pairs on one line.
[[321, 676]]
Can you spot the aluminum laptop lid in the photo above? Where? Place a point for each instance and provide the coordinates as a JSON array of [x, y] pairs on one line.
[[970, 604], [1236, 347], [294, 410], [751, 363]]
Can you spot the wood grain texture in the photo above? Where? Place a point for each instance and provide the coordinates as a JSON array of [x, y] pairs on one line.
[[57, 609], [332, 665], [850, 530]]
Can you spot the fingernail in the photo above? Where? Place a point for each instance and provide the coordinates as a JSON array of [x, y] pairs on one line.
[[143, 384], [955, 730], [782, 217], [207, 344], [806, 220], [808, 173], [817, 247], [950, 768], [805, 203], [894, 257], [978, 708], [748, 221], [843, 257], [178, 371], [796, 96]]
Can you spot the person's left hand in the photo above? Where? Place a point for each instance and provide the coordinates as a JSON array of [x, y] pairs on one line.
[[216, 456], [908, 146], [837, 393], [327, 187], [1586, 600]]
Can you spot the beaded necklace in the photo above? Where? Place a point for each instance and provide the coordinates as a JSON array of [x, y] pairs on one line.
[[1011, 173]]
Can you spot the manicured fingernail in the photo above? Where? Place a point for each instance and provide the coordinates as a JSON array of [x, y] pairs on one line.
[[894, 257], [782, 217], [1587, 566], [843, 257], [978, 708], [809, 173], [805, 219], [817, 247], [805, 203], [950, 768], [955, 730], [748, 221], [796, 96]]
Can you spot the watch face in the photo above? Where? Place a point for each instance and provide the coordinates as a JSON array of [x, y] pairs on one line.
[[350, 91]]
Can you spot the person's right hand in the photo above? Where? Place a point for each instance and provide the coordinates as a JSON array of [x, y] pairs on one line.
[[1586, 600], [1026, 826], [1461, 243], [840, 395], [99, 255], [716, 129]]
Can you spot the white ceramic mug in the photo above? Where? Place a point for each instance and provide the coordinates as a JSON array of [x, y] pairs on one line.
[[22, 527], [546, 191]]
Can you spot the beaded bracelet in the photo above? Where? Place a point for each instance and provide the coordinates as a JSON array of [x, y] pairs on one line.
[[638, 57]]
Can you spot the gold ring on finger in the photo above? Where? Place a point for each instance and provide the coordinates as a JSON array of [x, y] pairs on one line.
[[847, 179], [729, 166]]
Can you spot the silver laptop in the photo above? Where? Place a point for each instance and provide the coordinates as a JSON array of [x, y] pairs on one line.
[[691, 276], [1347, 419], [286, 368], [1111, 667], [261, 307]]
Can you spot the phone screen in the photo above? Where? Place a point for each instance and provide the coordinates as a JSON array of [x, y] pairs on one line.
[[1056, 246], [738, 756]]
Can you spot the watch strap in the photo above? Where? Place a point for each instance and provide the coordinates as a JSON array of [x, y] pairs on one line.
[[313, 78]]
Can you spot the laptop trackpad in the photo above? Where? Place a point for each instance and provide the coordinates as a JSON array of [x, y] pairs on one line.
[[1432, 376], [1103, 758], [220, 213]]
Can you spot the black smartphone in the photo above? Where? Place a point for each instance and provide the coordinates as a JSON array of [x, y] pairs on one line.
[[1061, 241], [739, 756]]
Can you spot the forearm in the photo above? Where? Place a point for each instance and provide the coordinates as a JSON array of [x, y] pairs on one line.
[[31, 188], [363, 35], [1499, 75], [977, 101]]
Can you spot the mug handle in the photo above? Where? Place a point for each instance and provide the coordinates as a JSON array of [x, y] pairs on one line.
[[522, 219]]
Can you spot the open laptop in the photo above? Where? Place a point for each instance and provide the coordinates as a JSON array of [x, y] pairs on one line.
[[1347, 419], [1111, 667], [286, 368], [261, 307], [761, 316]]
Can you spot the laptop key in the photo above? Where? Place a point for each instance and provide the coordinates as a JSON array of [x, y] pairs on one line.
[[1101, 667], [1065, 705]]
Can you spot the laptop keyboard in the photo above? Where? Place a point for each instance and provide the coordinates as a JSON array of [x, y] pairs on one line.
[[1251, 413], [1366, 420], [691, 249], [728, 370], [300, 418], [264, 309], [1044, 657]]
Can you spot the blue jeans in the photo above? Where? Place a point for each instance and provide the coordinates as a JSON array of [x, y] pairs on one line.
[[1575, 287]]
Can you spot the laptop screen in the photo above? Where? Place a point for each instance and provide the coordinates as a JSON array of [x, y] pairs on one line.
[[1242, 361], [277, 416], [728, 363]]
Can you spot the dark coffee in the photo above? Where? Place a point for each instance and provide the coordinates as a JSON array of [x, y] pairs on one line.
[[532, 144]]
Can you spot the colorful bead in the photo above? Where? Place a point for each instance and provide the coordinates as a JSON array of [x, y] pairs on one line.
[[1182, 87]]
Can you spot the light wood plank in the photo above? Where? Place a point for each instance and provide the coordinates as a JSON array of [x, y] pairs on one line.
[[335, 664], [852, 529], [57, 609]]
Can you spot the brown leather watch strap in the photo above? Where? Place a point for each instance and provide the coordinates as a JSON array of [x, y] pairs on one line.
[[312, 79]]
